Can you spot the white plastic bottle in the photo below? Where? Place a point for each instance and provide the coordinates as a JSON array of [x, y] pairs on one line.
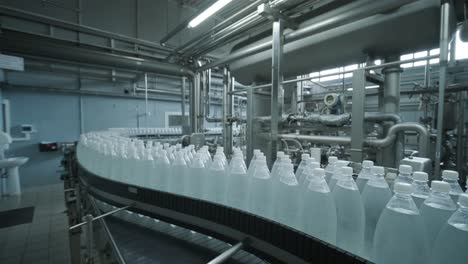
[[337, 173], [451, 177], [179, 172], [400, 235], [365, 174], [307, 175], [350, 213], [305, 159], [437, 209], [286, 190], [330, 168], [274, 168], [216, 181], [404, 174], [420, 188], [318, 209], [196, 176], [450, 245], [260, 189], [237, 183], [375, 197], [150, 178], [164, 171], [306, 170]]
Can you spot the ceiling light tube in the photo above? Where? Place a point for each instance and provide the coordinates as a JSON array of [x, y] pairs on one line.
[[208, 12]]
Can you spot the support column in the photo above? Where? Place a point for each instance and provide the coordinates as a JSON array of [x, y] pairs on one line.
[[250, 135], [195, 104], [357, 126], [227, 113], [182, 100], [277, 97], [445, 36], [391, 155]]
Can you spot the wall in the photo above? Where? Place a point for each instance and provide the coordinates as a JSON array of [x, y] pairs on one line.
[[56, 117]]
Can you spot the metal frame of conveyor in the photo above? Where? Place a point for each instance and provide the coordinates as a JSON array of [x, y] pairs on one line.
[[264, 238]]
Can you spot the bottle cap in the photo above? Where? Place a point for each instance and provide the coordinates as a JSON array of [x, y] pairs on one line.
[[449, 174], [378, 170], [332, 159], [279, 153], [405, 169], [463, 199], [420, 176], [403, 188], [440, 186], [305, 156], [367, 163], [347, 171], [319, 172]]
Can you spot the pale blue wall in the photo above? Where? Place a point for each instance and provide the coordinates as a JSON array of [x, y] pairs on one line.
[[56, 117]]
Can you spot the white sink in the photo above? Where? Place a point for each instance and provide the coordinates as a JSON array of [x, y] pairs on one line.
[[13, 162], [11, 184]]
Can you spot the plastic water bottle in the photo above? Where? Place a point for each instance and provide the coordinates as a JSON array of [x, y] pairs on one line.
[[286, 207], [279, 160], [337, 173], [404, 174], [216, 181], [400, 235], [350, 213], [437, 209], [307, 175], [149, 168], [318, 209], [196, 176], [420, 188], [330, 168], [237, 183], [164, 169], [306, 169], [179, 173], [260, 189], [365, 174], [451, 177], [305, 159], [375, 197], [450, 245]]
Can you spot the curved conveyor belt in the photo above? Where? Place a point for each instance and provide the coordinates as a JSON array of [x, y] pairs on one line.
[[262, 237]]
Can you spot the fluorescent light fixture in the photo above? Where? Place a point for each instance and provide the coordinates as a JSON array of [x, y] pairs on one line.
[[208, 12], [367, 87]]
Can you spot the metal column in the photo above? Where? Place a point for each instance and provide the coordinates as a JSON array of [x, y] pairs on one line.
[[250, 132], [357, 126], [391, 104], [445, 36], [195, 104], [227, 113], [182, 101], [277, 97]]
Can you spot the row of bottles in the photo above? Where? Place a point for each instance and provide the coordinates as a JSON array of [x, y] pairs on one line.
[[362, 216]]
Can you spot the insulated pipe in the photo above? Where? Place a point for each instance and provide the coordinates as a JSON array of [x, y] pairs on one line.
[[318, 139], [353, 11], [382, 117]]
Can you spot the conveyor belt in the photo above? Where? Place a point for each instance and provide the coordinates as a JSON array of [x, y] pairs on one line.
[[265, 238]]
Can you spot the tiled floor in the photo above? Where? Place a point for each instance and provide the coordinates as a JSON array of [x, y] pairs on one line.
[[45, 239]]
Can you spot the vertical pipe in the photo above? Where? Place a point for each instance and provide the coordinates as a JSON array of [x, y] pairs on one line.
[[227, 113], [391, 155], [89, 238], [460, 132], [357, 129], [443, 61], [146, 100], [195, 104], [250, 132], [277, 86], [182, 101]]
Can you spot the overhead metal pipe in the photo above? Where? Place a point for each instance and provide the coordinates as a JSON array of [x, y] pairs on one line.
[[23, 43], [354, 11], [318, 139], [395, 129]]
